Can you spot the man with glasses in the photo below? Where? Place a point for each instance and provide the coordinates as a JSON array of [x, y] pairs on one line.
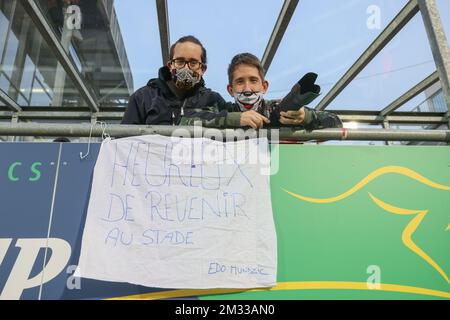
[[178, 89]]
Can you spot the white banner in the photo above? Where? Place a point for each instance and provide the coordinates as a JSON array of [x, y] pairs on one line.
[[181, 213]]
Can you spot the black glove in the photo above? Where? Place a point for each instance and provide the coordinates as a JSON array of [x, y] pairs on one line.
[[302, 93]]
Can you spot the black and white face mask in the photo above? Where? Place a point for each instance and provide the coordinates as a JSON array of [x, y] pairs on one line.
[[249, 100], [185, 79]]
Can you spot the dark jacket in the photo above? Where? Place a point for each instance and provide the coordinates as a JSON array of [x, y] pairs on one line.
[[157, 104]]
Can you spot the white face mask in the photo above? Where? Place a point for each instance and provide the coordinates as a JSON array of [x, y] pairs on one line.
[[249, 100]]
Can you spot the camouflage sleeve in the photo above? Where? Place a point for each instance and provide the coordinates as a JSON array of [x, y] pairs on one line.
[[320, 119], [211, 117], [313, 119]]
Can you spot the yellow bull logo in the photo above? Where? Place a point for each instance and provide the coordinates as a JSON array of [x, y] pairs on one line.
[[412, 226]]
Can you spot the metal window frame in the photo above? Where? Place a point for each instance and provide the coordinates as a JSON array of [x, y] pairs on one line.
[[164, 32], [397, 24], [411, 93], [62, 56], [438, 44], [286, 13], [10, 103]]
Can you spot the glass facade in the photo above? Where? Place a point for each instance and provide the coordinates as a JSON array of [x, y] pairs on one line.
[[30, 73], [438, 102]]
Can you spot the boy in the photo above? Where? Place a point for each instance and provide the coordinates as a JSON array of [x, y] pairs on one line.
[[248, 86]]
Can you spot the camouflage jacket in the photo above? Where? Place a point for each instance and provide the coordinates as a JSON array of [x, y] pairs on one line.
[[230, 118]]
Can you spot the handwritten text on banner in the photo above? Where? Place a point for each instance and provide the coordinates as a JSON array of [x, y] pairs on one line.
[[181, 213]]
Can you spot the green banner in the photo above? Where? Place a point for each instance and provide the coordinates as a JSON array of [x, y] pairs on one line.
[[357, 222]]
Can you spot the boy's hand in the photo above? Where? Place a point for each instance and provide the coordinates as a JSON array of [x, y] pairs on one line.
[[253, 119], [293, 117]]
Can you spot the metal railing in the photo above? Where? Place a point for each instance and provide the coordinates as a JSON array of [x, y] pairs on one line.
[[120, 131]]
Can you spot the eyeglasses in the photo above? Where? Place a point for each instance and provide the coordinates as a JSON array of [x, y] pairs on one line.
[[193, 64]]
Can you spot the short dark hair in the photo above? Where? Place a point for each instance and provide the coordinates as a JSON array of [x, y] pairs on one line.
[[247, 59], [189, 39]]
